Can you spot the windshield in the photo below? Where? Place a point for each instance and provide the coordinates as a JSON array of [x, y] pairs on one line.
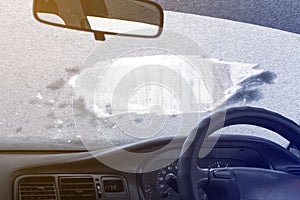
[[61, 88]]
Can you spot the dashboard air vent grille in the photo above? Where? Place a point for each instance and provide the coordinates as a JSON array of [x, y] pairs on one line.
[[294, 171], [37, 188], [77, 188]]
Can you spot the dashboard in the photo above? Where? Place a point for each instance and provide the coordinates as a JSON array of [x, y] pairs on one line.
[[81, 176], [162, 183]]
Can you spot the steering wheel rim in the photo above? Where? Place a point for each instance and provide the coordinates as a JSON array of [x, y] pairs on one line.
[[191, 179]]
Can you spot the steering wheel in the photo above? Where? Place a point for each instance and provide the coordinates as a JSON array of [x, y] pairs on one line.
[[237, 183]]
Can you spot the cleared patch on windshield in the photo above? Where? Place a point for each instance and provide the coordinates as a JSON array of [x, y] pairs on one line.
[[249, 90], [95, 111], [232, 76], [19, 129], [72, 71], [260, 79], [56, 85], [52, 103]]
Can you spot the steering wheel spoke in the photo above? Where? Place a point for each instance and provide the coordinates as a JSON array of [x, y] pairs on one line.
[[201, 177]]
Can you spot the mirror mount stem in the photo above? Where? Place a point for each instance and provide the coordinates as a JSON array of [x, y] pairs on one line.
[[99, 36]]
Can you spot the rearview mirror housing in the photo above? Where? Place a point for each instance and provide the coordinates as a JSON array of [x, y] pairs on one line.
[[135, 18]]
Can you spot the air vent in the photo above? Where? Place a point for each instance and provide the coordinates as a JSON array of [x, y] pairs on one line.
[[37, 188], [294, 171], [77, 188]]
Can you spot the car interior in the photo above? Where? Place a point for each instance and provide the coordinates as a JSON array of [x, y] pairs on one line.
[[205, 163]]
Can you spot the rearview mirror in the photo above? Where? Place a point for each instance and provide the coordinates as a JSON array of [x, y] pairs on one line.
[[138, 18]]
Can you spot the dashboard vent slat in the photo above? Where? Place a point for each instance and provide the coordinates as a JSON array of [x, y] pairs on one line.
[[37, 188], [77, 188], [294, 170]]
